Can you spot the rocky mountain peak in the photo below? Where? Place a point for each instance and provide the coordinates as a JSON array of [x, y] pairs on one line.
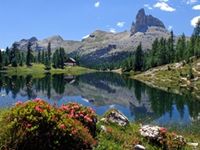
[[32, 40], [143, 22], [54, 39]]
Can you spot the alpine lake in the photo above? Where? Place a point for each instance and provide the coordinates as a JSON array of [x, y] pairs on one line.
[[103, 91]]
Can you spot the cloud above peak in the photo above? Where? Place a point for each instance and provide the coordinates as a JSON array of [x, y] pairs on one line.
[[195, 20], [196, 7], [120, 24], [148, 6], [97, 4], [112, 30], [162, 5], [190, 1]]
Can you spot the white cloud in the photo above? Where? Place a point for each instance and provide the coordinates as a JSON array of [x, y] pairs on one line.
[[97, 4], [195, 20], [163, 0], [1, 49], [196, 7], [147, 6], [120, 24], [190, 1], [85, 37], [170, 27], [164, 6], [112, 30]]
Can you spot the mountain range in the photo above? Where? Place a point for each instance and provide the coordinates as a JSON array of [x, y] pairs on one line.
[[101, 46]]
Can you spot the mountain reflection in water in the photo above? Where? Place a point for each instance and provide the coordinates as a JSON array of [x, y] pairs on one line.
[[103, 91]]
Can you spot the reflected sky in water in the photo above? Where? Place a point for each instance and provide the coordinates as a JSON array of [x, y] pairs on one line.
[[103, 91]]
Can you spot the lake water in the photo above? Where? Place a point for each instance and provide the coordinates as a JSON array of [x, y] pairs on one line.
[[103, 91]]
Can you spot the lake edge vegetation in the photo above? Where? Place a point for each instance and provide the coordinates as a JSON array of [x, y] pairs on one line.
[[74, 126]]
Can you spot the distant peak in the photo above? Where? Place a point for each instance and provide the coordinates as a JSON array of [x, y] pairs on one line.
[[55, 38], [32, 39], [141, 12], [143, 22]]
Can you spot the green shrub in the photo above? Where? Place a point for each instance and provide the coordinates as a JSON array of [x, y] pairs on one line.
[[38, 125]]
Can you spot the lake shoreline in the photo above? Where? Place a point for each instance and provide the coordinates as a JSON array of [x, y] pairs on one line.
[[114, 131], [39, 70], [173, 78]]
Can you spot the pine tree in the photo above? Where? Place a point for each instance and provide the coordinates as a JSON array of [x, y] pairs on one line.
[[62, 58], [138, 65], [39, 57], [1, 60], [154, 54], [49, 51], [43, 57], [29, 57], [163, 53], [181, 49], [196, 31], [55, 59], [171, 47], [48, 61], [13, 55]]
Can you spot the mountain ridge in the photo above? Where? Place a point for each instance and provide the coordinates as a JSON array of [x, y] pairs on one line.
[[101, 46]]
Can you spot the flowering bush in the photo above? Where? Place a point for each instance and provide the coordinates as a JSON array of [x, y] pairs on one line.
[[85, 115], [38, 125]]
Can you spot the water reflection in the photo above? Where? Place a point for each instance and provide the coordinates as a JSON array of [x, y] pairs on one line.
[[103, 91]]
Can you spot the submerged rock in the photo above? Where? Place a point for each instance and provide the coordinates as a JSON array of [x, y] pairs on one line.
[[115, 116]]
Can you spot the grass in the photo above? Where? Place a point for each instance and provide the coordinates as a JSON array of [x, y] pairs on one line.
[[125, 138], [38, 70], [170, 78]]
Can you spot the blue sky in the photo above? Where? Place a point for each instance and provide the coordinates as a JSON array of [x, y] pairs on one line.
[[74, 19]]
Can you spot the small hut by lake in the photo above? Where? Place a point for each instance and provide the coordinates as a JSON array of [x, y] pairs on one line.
[[70, 62]]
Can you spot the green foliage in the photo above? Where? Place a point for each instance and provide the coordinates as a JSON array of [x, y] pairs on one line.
[[190, 74], [196, 31], [29, 57], [14, 56], [1, 60], [48, 57], [38, 125], [138, 63], [59, 58], [39, 57], [125, 138]]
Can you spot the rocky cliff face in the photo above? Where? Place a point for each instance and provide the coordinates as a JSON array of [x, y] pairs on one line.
[[102, 46], [56, 42], [143, 22]]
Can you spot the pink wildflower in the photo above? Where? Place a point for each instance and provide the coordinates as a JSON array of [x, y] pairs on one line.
[[29, 125], [163, 130], [37, 108], [18, 103], [37, 100], [62, 126]]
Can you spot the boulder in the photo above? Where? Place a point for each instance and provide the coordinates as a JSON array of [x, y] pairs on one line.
[[151, 132], [115, 116], [193, 144], [158, 134]]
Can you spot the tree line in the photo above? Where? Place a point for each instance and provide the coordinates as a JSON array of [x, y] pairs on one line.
[[164, 51], [15, 57]]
